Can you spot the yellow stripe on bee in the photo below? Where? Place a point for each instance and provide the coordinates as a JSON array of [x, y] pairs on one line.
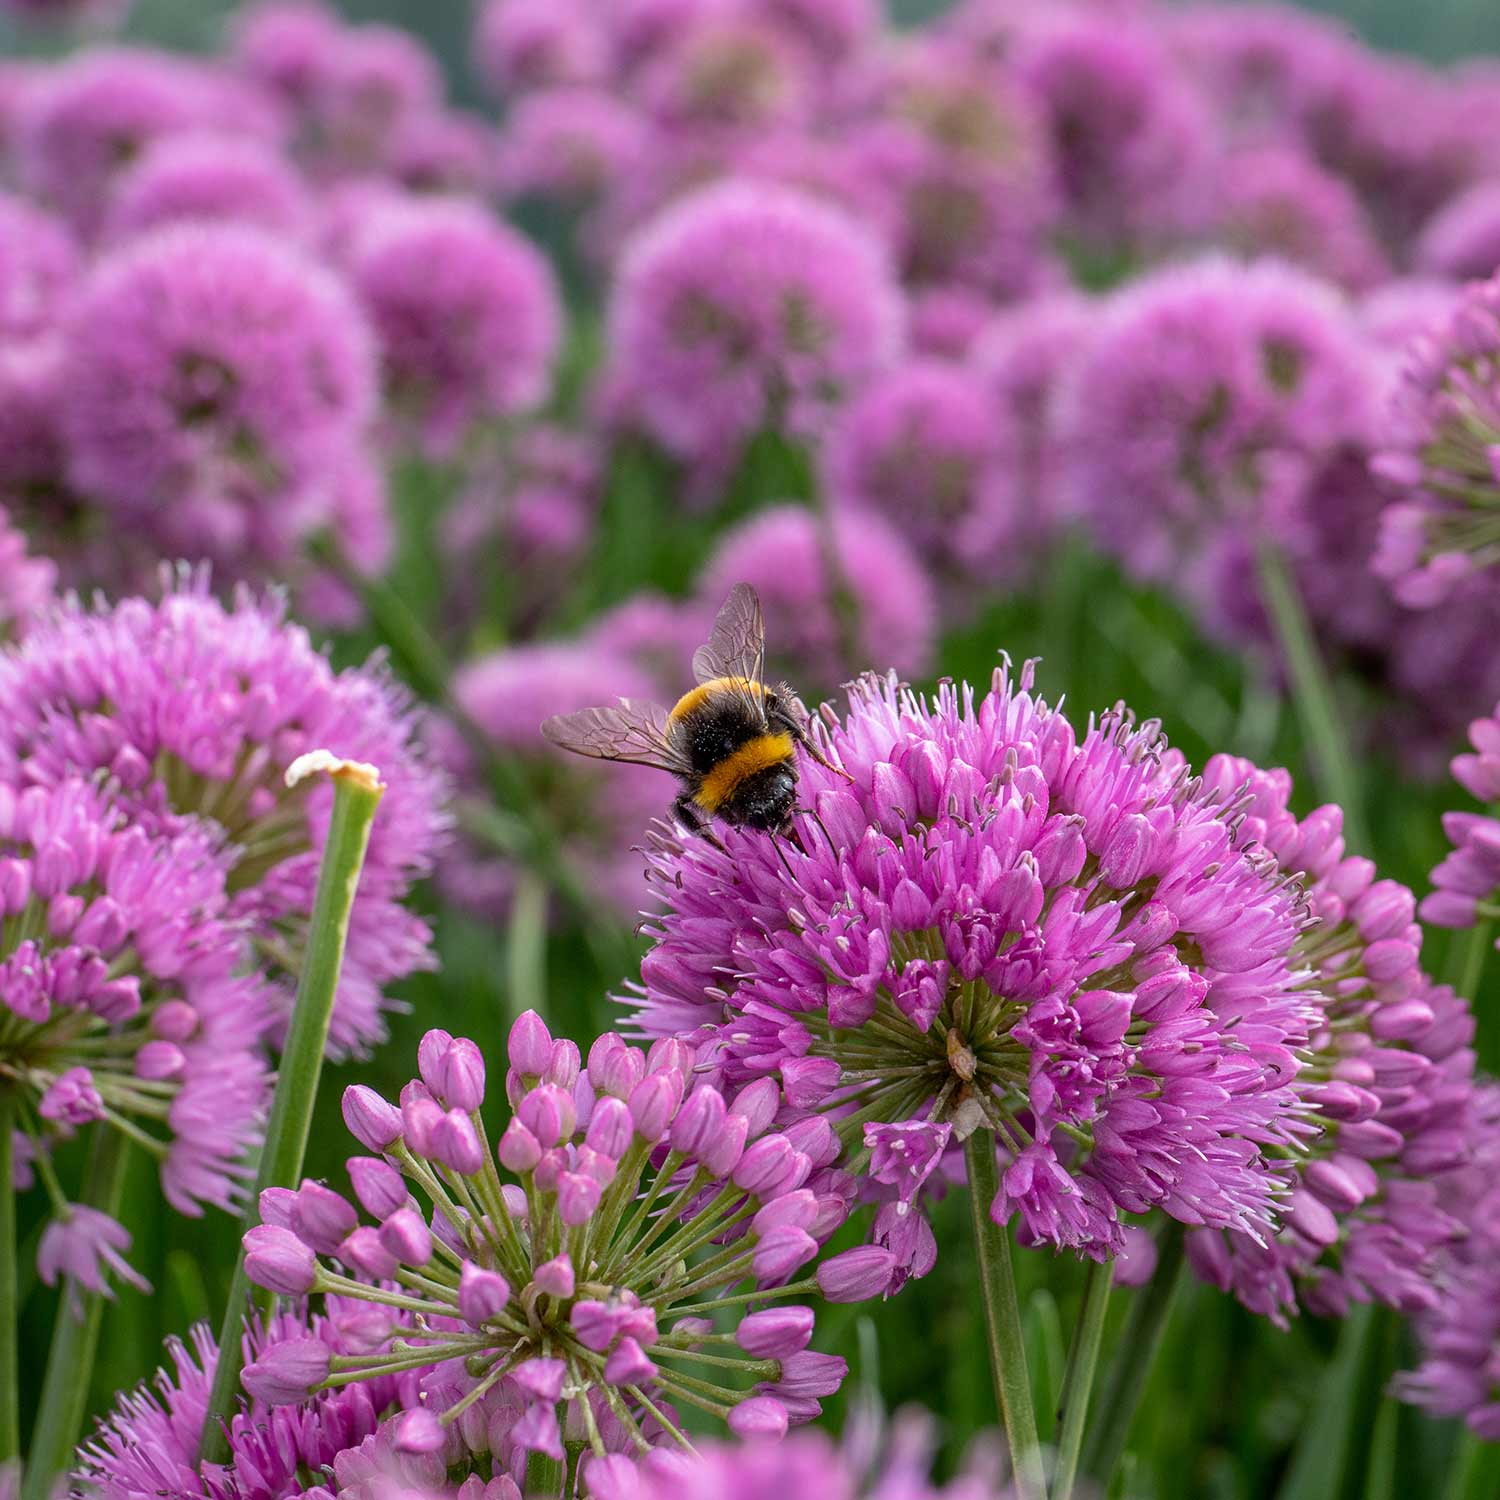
[[764, 751], [698, 696]]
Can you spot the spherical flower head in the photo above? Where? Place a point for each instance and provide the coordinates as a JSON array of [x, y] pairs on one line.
[[659, 635], [998, 924], [198, 709], [38, 268], [961, 155], [1133, 142], [835, 31], [921, 448], [148, 1442], [206, 176], [361, 525], [466, 311], [444, 151], [89, 117], [1443, 441], [572, 144], [528, 44], [31, 450], [600, 811], [1388, 1082], [286, 46], [556, 1287], [117, 933], [212, 377], [1465, 882], [842, 593], [947, 321], [1277, 201], [27, 583], [746, 306], [69, 12], [1462, 240], [1202, 407]]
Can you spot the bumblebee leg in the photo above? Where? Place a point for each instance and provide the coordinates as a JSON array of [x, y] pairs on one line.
[[783, 720], [692, 817]]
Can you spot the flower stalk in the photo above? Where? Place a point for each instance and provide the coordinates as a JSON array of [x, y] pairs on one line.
[[1002, 1316], [1078, 1378], [357, 794], [10, 1366]]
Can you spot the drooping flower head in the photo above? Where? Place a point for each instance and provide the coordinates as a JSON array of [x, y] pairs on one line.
[[563, 1279], [1002, 924], [842, 593], [124, 1005], [1389, 1080], [214, 379], [466, 311], [746, 306], [1443, 440], [197, 710], [38, 268]]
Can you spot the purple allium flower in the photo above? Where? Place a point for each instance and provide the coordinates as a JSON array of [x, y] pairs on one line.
[[572, 144], [38, 268], [88, 118], [361, 526], [1001, 925], [600, 810], [638, 29], [444, 151], [658, 634], [1466, 884], [962, 156], [286, 46], [69, 12], [27, 583], [948, 320], [834, 30], [1024, 358], [551, 1296], [1134, 145], [148, 1443], [1462, 241], [1443, 437], [528, 44], [116, 933], [201, 175], [198, 709], [842, 593], [466, 310], [746, 306], [1206, 401], [1277, 201], [1388, 1080], [922, 448], [212, 379]]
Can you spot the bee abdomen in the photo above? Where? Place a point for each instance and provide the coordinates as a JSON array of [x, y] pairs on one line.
[[718, 785]]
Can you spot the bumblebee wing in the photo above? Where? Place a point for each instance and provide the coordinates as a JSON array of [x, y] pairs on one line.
[[629, 731], [737, 645]]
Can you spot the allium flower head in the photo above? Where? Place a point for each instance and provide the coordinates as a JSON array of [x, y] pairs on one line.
[[213, 378], [527, 44], [202, 175], [745, 306], [466, 311], [198, 709], [1444, 455], [1001, 924], [833, 30], [572, 144], [1462, 241], [922, 448], [842, 593], [1388, 1081], [444, 151], [124, 1004], [1466, 885], [38, 267], [27, 583], [286, 46], [563, 1278]]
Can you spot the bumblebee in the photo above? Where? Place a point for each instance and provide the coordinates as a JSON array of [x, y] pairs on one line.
[[731, 741]]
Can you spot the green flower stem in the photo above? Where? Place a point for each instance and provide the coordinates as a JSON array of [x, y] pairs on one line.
[[1078, 1378], [1471, 950], [357, 794], [1130, 1367], [10, 1292], [544, 1476], [1474, 1473], [1312, 690], [1002, 1316], [75, 1336], [1375, 1329], [526, 944]]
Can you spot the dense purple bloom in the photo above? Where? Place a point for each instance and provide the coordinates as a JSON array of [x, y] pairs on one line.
[[199, 709], [38, 268], [1462, 241], [1388, 1080], [27, 583], [922, 447], [286, 46], [213, 378], [527, 44], [842, 593], [1466, 885], [834, 30], [443, 151], [1000, 925], [202, 175], [1443, 438], [550, 1297], [571, 144], [746, 306], [466, 311], [599, 810], [116, 933]]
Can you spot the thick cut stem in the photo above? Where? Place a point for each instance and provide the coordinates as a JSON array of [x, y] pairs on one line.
[[10, 1294], [75, 1336], [1078, 1379], [1130, 1368], [1002, 1316], [1311, 688], [357, 794]]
